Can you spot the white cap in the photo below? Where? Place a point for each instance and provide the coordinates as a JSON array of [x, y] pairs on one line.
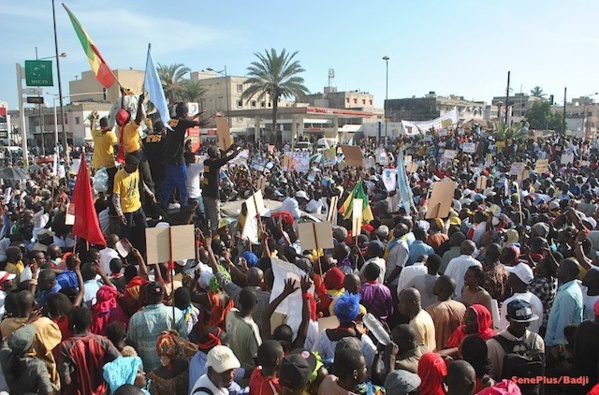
[[302, 195], [221, 359], [523, 271]]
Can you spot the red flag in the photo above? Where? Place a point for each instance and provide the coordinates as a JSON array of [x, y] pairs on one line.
[[86, 224]]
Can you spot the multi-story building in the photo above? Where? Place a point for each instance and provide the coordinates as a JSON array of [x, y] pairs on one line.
[[432, 106], [347, 100], [517, 106], [87, 88], [5, 129], [582, 116]]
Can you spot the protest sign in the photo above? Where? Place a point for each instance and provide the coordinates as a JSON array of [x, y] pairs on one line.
[[357, 207], [390, 179], [517, 168], [481, 183], [225, 140], [449, 154], [255, 204], [170, 243], [353, 156], [315, 235], [541, 165], [469, 148], [441, 199], [567, 159]]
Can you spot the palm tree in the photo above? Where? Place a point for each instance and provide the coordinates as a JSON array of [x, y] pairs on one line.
[[502, 132], [537, 91], [172, 79], [192, 91], [275, 75]]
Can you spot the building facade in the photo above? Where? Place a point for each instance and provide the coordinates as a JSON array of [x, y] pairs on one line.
[[582, 116], [432, 106], [87, 88]]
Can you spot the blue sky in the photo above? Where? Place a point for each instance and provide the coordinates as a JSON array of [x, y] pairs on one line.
[[463, 47]]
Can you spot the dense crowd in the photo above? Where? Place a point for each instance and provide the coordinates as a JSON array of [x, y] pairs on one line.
[[499, 296]]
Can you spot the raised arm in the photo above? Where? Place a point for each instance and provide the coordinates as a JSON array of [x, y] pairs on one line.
[[302, 331], [287, 290]]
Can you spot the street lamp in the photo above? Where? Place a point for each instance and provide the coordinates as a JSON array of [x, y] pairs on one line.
[[227, 87], [64, 133], [386, 59]]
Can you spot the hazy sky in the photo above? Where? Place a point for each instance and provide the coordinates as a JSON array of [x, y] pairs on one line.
[[464, 47]]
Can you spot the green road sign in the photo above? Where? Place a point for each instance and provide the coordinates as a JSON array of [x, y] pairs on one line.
[[38, 73]]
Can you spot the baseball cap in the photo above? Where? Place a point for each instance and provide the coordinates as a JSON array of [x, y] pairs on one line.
[[6, 276], [21, 340], [519, 310], [221, 359], [554, 205], [302, 195], [523, 271], [296, 369], [45, 232]]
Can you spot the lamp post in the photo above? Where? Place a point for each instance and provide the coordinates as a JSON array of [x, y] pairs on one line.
[[386, 59], [64, 132], [227, 87]]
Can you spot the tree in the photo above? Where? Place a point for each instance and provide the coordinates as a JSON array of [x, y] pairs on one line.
[[502, 132], [172, 78], [191, 91], [539, 115], [275, 75], [557, 123], [537, 91]]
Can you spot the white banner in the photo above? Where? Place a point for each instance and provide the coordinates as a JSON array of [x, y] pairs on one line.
[[301, 161], [445, 121], [469, 148]]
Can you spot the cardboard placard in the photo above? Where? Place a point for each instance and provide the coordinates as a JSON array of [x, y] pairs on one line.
[[441, 199], [315, 235], [469, 148], [173, 242], [70, 214], [225, 140], [517, 168], [411, 167], [390, 179], [357, 216], [271, 148], [353, 156], [541, 165], [567, 159], [523, 176], [287, 163], [407, 159], [490, 158], [261, 184], [450, 154], [123, 247], [255, 204], [481, 183]]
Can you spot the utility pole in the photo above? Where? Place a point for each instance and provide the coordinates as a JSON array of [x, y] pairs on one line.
[[507, 99], [386, 59], [39, 107], [64, 132], [564, 114]]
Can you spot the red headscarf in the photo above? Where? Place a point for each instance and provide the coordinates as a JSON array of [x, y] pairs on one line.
[[106, 310], [431, 369], [485, 326]]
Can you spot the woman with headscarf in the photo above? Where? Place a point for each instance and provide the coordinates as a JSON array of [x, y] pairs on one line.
[[125, 370], [477, 321], [431, 369], [329, 290], [106, 310], [173, 376], [347, 310]]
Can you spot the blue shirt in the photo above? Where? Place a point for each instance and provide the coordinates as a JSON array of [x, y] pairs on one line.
[[566, 310], [43, 296], [68, 279], [417, 249]]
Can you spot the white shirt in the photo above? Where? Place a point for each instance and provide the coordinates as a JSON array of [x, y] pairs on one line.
[[537, 309], [107, 255], [408, 273], [398, 257], [291, 205], [315, 206], [380, 262], [457, 267], [205, 382], [193, 180]]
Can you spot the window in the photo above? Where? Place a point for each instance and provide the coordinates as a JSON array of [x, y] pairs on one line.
[[363, 101], [355, 101], [269, 104], [347, 99], [371, 102], [239, 88], [77, 121], [239, 119], [239, 103], [263, 104], [253, 103]]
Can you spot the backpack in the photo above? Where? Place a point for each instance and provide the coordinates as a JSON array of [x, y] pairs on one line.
[[522, 364]]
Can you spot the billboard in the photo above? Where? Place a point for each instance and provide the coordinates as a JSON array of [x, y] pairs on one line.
[[3, 123]]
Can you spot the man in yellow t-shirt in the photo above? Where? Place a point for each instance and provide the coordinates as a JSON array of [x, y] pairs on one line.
[[104, 142], [130, 139], [126, 197]]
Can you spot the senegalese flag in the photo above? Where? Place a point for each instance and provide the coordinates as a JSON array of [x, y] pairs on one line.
[[347, 207], [96, 61]]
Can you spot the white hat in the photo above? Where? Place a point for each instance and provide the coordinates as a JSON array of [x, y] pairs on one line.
[[523, 271], [382, 231], [45, 232], [162, 225], [6, 276], [221, 359], [553, 205], [302, 195]]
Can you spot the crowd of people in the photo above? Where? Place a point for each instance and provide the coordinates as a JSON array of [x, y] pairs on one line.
[[500, 296]]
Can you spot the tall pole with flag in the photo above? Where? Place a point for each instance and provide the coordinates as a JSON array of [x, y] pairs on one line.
[[153, 87], [103, 72]]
